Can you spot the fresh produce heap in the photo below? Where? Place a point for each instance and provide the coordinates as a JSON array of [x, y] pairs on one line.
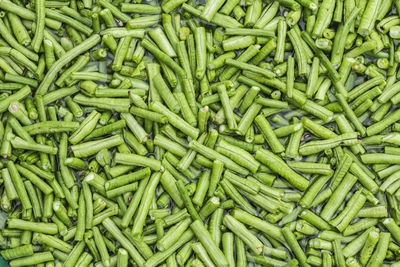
[[200, 133]]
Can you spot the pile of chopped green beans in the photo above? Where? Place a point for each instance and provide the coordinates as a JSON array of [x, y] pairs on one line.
[[200, 133]]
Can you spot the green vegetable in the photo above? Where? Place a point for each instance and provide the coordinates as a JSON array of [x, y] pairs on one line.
[[217, 133]]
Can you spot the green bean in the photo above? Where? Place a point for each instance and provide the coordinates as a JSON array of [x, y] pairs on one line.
[[14, 43], [218, 19], [203, 235], [45, 228], [163, 57], [382, 246], [140, 8], [39, 257], [368, 18], [84, 46], [40, 23], [270, 136], [28, 14], [276, 164], [19, 29], [175, 120]]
